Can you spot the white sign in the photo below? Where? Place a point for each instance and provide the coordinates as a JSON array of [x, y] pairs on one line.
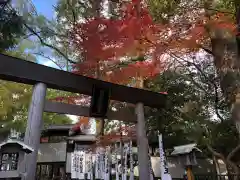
[[163, 163]]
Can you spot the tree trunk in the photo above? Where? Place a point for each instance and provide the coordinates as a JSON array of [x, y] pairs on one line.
[[225, 52], [228, 161], [229, 173], [231, 163], [215, 167]]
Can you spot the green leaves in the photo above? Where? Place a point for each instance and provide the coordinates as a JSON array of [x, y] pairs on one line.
[[15, 99], [53, 119], [162, 10], [183, 110], [11, 28], [189, 116]]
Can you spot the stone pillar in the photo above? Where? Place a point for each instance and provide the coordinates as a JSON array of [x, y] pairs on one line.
[[33, 130], [142, 141]]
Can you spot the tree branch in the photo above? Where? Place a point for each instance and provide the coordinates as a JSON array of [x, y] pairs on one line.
[[233, 152], [217, 154], [191, 78], [48, 45], [210, 83], [29, 35], [231, 163], [46, 57], [73, 12], [221, 11], [226, 161], [206, 50]]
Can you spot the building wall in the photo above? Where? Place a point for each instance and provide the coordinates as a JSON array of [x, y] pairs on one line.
[[52, 152]]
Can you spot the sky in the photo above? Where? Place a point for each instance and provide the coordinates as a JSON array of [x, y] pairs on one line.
[[45, 7], [47, 10]]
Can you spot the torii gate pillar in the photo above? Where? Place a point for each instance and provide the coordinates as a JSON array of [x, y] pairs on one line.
[[33, 130], [142, 142]]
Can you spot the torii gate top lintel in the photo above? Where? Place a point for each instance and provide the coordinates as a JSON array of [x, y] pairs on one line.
[[17, 70]]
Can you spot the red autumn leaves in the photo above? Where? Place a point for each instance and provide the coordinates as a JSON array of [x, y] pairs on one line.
[[107, 45]]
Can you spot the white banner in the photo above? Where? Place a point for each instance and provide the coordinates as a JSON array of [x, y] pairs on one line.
[[100, 168], [150, 167], [116, 161], [98, 164], [74, 165], [121, 156], [89, 166], [125, 153], [131, 161], [107, 164], [78, 164], [163, 163], [82, 164]]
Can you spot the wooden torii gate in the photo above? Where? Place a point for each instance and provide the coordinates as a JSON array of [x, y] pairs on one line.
[[42, 77]]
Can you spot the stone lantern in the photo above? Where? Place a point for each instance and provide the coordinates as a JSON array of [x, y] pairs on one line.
[[12, 154], [187, 157]]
